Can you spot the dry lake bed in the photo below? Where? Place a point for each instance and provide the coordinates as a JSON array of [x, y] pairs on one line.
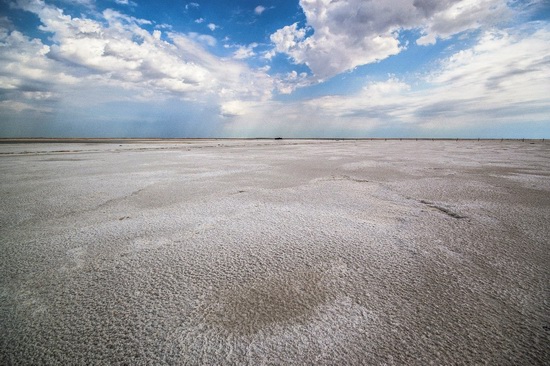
[[275, 252]]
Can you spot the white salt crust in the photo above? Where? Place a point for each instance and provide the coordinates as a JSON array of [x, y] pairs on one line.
[[275, 252]]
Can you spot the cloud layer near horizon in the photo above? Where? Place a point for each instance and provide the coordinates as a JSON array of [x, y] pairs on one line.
[[501, 79], [101, 58]]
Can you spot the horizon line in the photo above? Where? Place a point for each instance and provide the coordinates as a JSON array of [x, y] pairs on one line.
[[175, 139]]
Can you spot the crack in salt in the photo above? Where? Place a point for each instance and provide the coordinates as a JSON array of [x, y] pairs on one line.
[[446, 211]]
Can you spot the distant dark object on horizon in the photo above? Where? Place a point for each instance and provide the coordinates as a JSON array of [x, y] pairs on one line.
[[278, 138]]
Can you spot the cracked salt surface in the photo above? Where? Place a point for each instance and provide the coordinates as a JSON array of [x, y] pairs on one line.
[[280, 252]]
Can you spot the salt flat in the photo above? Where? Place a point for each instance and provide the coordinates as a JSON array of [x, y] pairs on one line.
[[275, 252]]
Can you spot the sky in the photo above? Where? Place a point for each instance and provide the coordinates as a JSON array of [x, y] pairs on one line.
[[275, 68]]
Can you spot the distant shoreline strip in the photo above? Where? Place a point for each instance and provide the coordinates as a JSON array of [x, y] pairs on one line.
[[185, 140]]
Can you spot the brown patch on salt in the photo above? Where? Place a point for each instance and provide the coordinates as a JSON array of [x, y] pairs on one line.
[[286, 299]]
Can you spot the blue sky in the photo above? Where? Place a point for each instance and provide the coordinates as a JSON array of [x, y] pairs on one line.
[[308, 68]]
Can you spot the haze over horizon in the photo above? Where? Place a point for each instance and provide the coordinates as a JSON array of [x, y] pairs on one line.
[[308, 68]]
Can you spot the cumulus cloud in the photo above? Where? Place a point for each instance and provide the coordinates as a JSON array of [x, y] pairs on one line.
[[459, 16], [212, 26], [27, 73], [114, 52], [341, 35], [289, 82], [110, 57], [503, 78], [288, 38]]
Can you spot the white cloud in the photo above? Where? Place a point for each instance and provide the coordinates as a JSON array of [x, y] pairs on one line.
[[244, 52], [24, 65], [164, 26], [191, 5], [116, 52], [461, 16], [39, 95], [259, 9], [287, 39], [503, 79], [203, 38], [212, 26], [289, 82], [87, 3], [126, 2], [349, 33], [504, 69], [199, 20], [235, 108]]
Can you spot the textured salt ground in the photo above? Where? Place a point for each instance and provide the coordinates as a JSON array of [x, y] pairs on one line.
[[287, 252]]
